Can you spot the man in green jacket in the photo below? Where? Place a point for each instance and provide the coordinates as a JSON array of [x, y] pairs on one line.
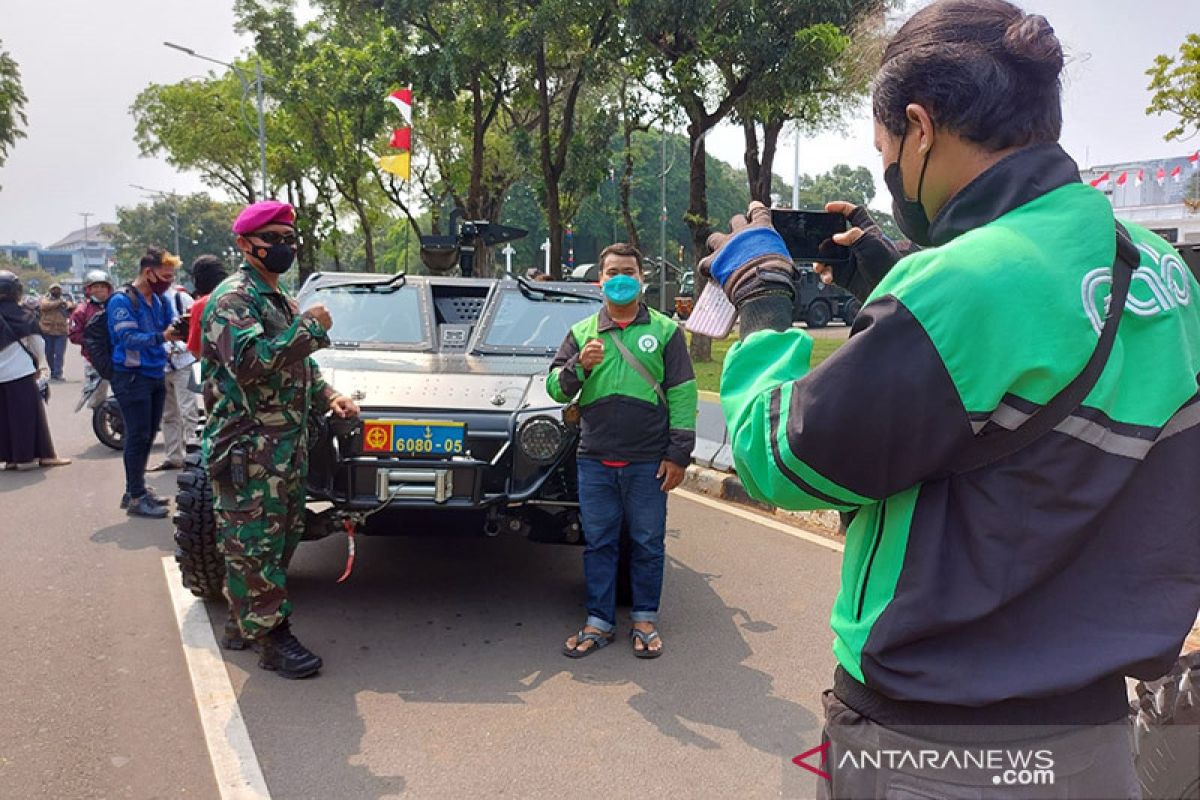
[[991, 578], [628, 366]]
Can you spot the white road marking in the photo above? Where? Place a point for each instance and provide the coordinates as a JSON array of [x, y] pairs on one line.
[[235, 765], [782, 527]]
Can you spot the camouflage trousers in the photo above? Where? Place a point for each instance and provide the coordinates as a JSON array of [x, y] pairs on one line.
[[258, 528]]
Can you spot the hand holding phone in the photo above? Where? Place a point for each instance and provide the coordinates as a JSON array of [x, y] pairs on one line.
[[809, 235]]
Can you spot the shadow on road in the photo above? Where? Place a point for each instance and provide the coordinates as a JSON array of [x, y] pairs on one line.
[[138, 534], [13, 481], [481, 621]]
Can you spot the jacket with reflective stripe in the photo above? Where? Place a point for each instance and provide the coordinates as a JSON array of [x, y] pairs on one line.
[[1057, 570]]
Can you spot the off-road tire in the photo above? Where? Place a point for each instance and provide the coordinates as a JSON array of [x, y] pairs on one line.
[[1166, 718], [818, 314], [109, 425], [850, 311], [201, 564]]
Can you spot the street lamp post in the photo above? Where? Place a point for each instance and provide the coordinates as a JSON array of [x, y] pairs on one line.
[[174, 210], [258, 87], [85, 215]]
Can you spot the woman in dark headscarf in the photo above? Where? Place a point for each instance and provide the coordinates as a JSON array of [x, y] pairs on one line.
[[24, 433]]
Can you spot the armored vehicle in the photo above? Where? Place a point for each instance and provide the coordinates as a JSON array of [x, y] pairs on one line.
[[449, 373]]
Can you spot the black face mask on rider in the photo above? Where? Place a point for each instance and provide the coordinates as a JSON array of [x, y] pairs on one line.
[[910, 214]]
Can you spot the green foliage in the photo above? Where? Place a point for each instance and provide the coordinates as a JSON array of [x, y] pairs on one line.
[[203, 229], [1175, 82], [198, 125], [12, 105]]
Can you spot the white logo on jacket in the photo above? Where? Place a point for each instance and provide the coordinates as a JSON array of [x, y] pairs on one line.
[[1168, 288], [647, 344]]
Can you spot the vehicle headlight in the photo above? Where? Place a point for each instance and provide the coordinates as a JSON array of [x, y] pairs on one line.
[[540, 438]]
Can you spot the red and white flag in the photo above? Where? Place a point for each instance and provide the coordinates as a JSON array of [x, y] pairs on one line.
[[1160, 177], [1140, 178], [1100, 182], [401, 139], [1177, 174], [1124, 176], [402, 99], [1194, 160]]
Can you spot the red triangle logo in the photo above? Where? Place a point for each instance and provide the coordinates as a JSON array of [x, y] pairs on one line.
[[823, 749]]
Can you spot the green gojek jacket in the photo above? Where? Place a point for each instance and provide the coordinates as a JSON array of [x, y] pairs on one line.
[[1028, 588], [623, 419]]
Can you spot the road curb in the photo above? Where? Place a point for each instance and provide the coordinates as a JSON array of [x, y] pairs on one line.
[[728, 487]]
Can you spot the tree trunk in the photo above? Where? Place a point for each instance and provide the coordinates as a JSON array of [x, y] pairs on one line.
[[550, 171], [771, 130], [697, 214], [475, 192], [626, 188], [750, 158]]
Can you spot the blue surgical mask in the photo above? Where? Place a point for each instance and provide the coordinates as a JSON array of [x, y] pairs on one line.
[[622, 289]]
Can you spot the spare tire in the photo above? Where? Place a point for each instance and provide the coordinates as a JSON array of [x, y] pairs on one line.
[[201, 564], [1167, 732]]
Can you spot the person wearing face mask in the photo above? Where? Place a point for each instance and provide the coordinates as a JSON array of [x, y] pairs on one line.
[[628, 367], [139, 323], [260, 387], [1013, 418], [55, 313]]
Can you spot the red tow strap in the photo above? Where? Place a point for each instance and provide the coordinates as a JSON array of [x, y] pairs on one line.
[[350, 549]]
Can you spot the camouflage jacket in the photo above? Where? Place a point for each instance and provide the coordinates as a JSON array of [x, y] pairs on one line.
[[260, 385]]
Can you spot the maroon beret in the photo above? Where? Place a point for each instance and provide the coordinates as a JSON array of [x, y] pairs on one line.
[[259, 215]]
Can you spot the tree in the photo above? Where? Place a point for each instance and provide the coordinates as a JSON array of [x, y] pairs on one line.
[[197, 125], [1175, 82], [710, 56], [203, 226], [12, 105]]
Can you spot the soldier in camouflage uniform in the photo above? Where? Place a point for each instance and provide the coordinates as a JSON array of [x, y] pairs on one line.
[[260, 388]]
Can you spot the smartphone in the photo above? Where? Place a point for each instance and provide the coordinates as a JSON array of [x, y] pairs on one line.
[[809, 234], [713, 315]]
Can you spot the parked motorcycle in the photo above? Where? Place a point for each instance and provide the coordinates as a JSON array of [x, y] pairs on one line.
[[107, 423]]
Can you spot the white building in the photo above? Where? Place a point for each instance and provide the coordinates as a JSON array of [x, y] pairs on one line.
[[1169, 207], [90, 248]]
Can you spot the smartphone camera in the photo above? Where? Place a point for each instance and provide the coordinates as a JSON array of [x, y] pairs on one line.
[[809, 234]]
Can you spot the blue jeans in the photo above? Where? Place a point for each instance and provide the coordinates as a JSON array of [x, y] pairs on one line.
[[141, 401], [56, 351], [609, 496]]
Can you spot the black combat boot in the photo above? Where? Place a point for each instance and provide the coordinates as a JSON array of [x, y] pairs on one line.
[[232, 638], [282, 652]]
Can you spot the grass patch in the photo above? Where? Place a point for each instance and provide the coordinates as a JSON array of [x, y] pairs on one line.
[[708, 376]]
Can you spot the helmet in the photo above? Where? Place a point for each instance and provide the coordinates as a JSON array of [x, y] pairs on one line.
[[10, 286], [96, 276]]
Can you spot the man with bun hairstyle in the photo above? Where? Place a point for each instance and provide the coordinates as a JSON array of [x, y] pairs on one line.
[[1014, 422], [260, 386]]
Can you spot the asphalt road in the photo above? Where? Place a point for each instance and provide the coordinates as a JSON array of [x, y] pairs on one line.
[[442, 678]]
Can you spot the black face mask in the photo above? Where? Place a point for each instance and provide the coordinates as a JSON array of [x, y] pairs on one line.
[[277, 258], [910, 214]]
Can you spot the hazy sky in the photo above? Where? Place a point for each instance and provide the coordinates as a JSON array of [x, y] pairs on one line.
[[82, 63]]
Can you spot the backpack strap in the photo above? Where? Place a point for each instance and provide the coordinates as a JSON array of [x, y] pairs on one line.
[[994, 447], [639, 368]]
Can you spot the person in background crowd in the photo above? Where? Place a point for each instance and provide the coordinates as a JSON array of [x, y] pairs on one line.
[[97, 288], [629, 366], [55, 312], [139, 327], [25, 442], [1027, 485], [181, 413], [207, 273]]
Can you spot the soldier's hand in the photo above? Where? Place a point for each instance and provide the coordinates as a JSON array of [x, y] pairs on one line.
[[343, 406], [319, 313], [592, 355], [172, 334]]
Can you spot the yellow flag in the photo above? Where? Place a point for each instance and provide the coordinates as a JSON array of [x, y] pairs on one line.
[[398, 165]]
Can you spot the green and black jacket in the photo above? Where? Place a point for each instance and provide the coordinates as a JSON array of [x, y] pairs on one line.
[[623, 419], [1024, 590]]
